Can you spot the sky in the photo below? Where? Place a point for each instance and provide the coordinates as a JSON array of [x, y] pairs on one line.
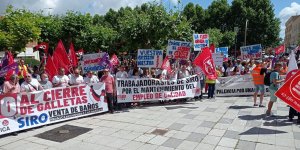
[[284, 9]]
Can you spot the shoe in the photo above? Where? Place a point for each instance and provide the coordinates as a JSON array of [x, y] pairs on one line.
[[255, 105], [261, 105], [268, 113]]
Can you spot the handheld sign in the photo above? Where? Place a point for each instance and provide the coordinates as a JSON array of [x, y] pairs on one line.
[[179, 49], [251, 52], [200, 41], [290, 91], [223, 50], [148, 58]]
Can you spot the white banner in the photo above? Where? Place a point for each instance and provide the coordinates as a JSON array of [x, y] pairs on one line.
[[29, 110], [148, 58], [236, 86], [137, 90], [90, 62], [200, 41]]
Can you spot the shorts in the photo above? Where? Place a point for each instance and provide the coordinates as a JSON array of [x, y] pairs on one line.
[[272, 95], [260, 87]]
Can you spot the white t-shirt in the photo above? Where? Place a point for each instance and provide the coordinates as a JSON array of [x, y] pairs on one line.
[[93, 79], [46, 85], [30, 87], [76, 80], [61, 79], [121, 74], [183, 74]]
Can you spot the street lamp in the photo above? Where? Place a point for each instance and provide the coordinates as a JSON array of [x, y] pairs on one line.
[[246, 26], [236, 30]]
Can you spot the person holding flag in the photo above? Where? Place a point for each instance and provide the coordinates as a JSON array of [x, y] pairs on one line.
[[23, 71]]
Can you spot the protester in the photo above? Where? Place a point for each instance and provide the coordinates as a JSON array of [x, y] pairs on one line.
[[146, 73], [183, 73], [135, 74], [121, 73], [76, 78], [35, 73], [45, 83], [60, 80], [174, 73], [275, 81], [211, 85], [11, 86], [91, 78], [30, 84], [258, 80], [109, 88], [22, 71]]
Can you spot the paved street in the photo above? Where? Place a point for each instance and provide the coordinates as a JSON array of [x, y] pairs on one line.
[[220, 124]]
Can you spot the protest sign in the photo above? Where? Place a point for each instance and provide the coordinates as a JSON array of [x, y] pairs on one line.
[[251, 52], [150, 89], [222, 50], [29, 110], [200, 41], [289, 92], [90, 62], [238, 85], [218, 59], [179, 49], [148, 58]]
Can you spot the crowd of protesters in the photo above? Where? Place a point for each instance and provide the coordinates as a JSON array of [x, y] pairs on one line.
[[32, 79]]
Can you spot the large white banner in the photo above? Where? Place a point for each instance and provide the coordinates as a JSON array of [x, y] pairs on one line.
[[29, 110], [137, 90], [236, 86], [149, 58]]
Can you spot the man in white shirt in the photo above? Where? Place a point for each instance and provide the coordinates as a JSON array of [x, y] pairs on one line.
[[76, 78], [121, 73], [183, 73], [60, 80], [30, 84], [90, 78]]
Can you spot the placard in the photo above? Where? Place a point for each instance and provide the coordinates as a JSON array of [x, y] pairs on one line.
[[200, 41], [148, 58], [179, 49], [251, 52]]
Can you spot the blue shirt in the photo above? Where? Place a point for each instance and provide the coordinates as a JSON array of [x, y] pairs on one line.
[[274, 75]]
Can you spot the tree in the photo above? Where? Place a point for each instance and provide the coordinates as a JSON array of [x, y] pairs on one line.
[[195, 15], [263, 27], [17, 28], [215, 36], [217, 15]]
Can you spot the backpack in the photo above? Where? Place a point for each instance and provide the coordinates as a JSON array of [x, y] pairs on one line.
[[267, 80]]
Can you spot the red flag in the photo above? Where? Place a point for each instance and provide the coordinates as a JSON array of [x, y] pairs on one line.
[[114, 60], [166, 64], [50, 68], [72, 56], [290, 91], [206, 63], [8, 59], [212, 48], [44, 46], [279, 49], [61, 57]]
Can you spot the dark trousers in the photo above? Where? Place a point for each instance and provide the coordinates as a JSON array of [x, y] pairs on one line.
[[211, 90], [293, 113], [110, 101]]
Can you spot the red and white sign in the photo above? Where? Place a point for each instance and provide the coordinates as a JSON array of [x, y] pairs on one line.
[[290, 91], [179, 49], [29, 110]]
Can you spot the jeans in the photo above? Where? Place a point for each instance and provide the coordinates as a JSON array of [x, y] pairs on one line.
[[211, 90]]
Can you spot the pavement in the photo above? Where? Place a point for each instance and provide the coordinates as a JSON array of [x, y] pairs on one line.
[[224, 123]]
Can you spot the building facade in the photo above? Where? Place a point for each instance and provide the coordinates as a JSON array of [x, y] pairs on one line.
[[292, 31]]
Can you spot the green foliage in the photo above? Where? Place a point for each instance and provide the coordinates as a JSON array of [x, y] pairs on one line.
[[17, 28], [147, 26]]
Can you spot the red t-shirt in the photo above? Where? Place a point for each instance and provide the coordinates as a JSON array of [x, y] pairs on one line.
[[109, 81]]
